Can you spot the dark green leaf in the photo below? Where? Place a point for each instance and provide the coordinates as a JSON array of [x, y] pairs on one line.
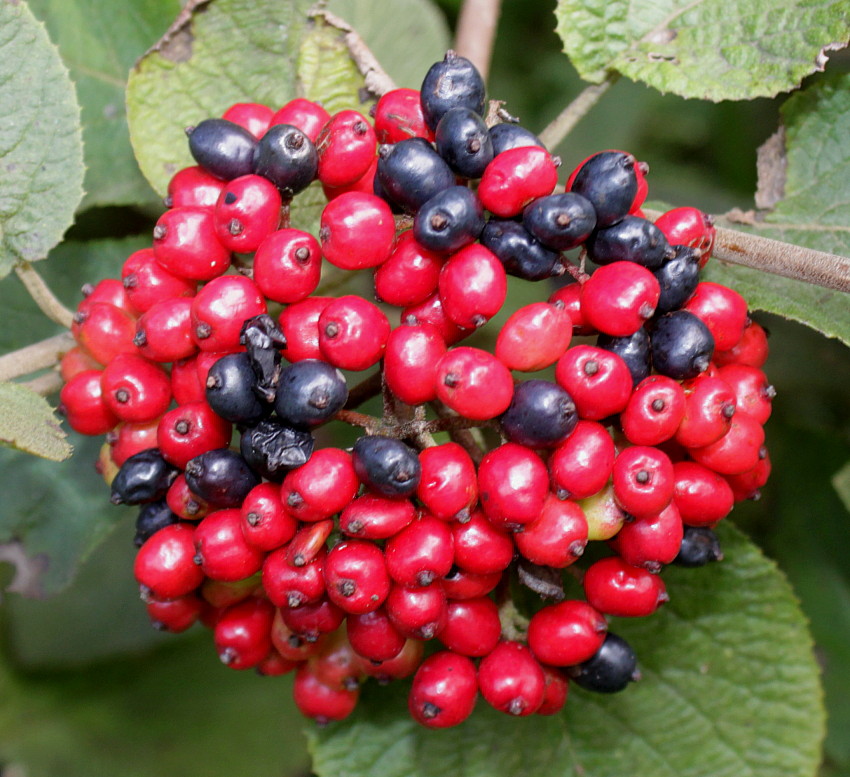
[[730, 687], [841, 482], [100, 46], [709, 49], [27, 423], [41, 154]]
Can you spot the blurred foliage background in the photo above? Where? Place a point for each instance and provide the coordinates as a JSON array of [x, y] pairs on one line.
[[88, 688]]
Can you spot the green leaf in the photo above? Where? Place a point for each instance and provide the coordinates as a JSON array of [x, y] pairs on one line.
[[841, 483], [41, 154], [100, 46], [28, 424], [803, 182], [730, 687], [406, 42], [48, 528], [708, 49]]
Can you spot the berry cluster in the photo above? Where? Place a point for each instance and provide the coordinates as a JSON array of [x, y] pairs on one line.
[[214, 359]]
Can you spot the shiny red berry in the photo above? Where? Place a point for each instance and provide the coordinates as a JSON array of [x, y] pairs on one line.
[[513, 483], [598, 381], [353, 333], [410, 362], [566, 633], [534, 337], [474, 383], [643, 480], [557, 538], [511, 679], [448, 486], [444, 690], [616, 588], [619, 298], [516, 177], [473, 286], [185, 244], [582, 464]]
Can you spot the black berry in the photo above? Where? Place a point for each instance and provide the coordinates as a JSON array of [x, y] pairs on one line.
[[387, 465], [222, 148]]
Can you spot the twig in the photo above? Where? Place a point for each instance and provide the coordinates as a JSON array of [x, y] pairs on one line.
[[46, 384], [366, 389], [367, 422], [49, 303], [37, 356], [476, 31], [463, 437], [563, 123], [786, 259]]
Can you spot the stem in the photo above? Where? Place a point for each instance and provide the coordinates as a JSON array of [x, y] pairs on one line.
[[564, 122], [476, 31], [46, 384], [37, 356], [46, 300], [786, 259], [366, 389], [367, 422], [463, 437]]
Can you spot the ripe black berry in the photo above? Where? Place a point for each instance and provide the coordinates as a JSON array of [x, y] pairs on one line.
[[287, 157], [610, 669], [633, 349], [682, 345], [410, 173], [463, 141], [560, 221], [678, 278], [450, 220], [541, 414], [220, 476], [453, 83], [609, 181], [144, 477], [151, 518], [387, 465], [310, 392], [507, 136], [222, 148], [632, 239], [699, 547], [272, 448], [263, 340], [522, 255], [231, 390]]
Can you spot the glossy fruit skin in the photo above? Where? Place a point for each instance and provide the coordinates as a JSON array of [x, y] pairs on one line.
[[569, 296], [633, 349], [752, 349], [431, 312], [557, 538], [321, 487], [702, 496], [605, 517], [127, 439], [678, 278], [417, 612], [398, 116], [471, 627], [650, 542], [299, 323], [737, 451], [310, 392], [560, 221], [147, 282], [682, 345], [643, 480], [356, 576], [421, 552], [566, 633], [513, 483], [410, 274], [689, 227], [516, 248], [174, 615], [346, 147], [448, 484], [722, 310], [266, 524], [190, 430], [480, 547], [313, 620], [410, 362], [508, 135], [231, 390], [654, 411], [374, 517], [247, 211], [185, 243], [609, 180], [373, 636], [222, 148], [450, 220], [541, 415], [515, 178], [306, 115], [410, 172], [242, 633], [288, 265], [143, 477], [104, 331], [75, 361], [165, 565], [610, 670], [287, 158], [747, 485], [473, 286], [710, 406], [224, 555], [220, 308], [534, 337], [616, 588], [353, 333], [631, 239], [474, 383], [452, 83], [511, 680], [582, 464], [254, 117], [598, 381], [220, 476], [386, 465], [321, 702], [753, 393], [291, 586], [357, 231], [401, 666], [619, 298], [700, 546], [463, 141], [193, 187], [184, 503], [164, 331], [444, 690], [152, 517], [81, 401]]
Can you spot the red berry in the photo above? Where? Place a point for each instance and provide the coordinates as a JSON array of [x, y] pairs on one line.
[[190, 430], [616, 588], [654, 411], [288, 265], [511, 680], [254, 117], [242, 633], [347, 146], [164, 332], [421, 552], [181, 501], [702, 496], [353, 333], [186, 385], [147, 282], [410, 274], [688, 227], [582, 464], [643, 480], [306, 115], [75, 361], [292, 646], [104, 330], [247, 212], [291, 586], [448, 486], [570, 297], [751, 349], [460, 584], [567, 633], [373, 517], [431, 312], [222, 551], [555, 691], [135, 389], [174, 615], [356, 576], [619, 298], [417, 613], [513, 482], [165, 563], [722, 310], [737, 451], [746, 485], [410, 362], [321, 487], [598, 381], [402, 665], [128, 439], [709, 408], [444, 690], [473, 286], [474, 383], [652, 541], [185, 244], [82, 402], [471, 627], [557, 537], [337, 665], [516, 177], [481, 548], [321, 702], [266, 524], [220, 308], [300, 326], [314, 619], [357, 231], [534, 337], [193, 187], [398, 116], [308, 542], [753, 394], [373, 636]]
